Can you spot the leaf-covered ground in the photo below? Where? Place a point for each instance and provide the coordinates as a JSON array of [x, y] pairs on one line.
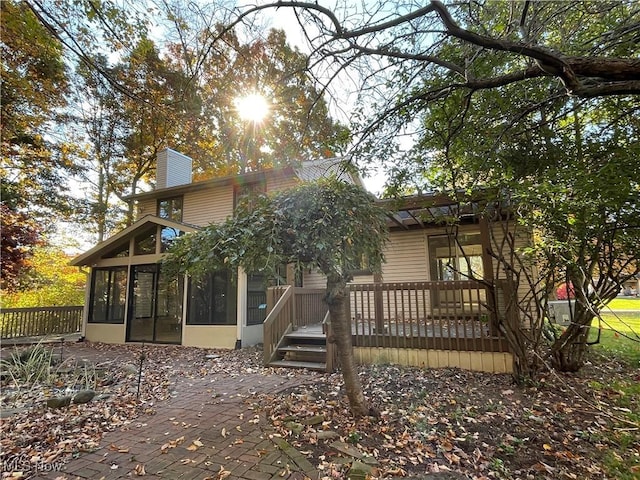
[[476, 424], [459, 423]]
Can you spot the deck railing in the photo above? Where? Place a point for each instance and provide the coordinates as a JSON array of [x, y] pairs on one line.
[[32, 322], [456, 315]]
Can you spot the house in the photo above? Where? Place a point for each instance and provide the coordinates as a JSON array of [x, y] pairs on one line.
[[423, 309]]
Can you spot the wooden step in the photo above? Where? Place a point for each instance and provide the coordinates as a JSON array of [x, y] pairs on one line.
[[304, 348], [306, 334], [290, 364]]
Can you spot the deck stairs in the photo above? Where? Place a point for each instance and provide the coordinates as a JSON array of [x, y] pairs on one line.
[[305, 347]]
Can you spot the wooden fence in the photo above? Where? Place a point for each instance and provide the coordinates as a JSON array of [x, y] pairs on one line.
[[33, 322]]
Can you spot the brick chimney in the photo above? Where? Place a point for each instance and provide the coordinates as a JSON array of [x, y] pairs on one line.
[[172, 169]]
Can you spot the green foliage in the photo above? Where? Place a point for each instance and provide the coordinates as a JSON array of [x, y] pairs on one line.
[[35, 165], [49, 281], [566, 166], [329, 225], [30, 366], [298, 124]]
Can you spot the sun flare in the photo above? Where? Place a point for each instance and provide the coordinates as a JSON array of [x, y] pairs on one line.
[[253, 107]]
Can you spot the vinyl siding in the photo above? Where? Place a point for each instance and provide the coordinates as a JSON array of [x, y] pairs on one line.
[[314, 279], [208, 206], [522, 238], [147, 207], [280, 182], [406, 257]]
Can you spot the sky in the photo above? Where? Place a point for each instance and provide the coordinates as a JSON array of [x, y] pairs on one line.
[[285, 19]]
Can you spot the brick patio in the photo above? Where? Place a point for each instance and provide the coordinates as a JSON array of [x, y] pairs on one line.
[[200, 410]]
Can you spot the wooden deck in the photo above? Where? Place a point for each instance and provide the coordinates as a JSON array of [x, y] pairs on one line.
[[428, 316]]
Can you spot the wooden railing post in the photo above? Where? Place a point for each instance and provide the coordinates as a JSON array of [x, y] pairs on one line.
[[294, 315], [378, 302]]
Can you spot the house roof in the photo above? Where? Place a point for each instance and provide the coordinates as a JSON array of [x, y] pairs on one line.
[[315, 169], [212, 182], [308, 170], [88, 257]]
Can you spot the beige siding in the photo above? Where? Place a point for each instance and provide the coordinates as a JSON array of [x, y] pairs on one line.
[[209, 336], [208, 206], [280, 183], [105, 332], [522, 238], [314, 279], [406, 257], [146, 207]]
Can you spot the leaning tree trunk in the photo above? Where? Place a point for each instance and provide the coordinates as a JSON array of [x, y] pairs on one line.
[[569, 350], [337, 298]]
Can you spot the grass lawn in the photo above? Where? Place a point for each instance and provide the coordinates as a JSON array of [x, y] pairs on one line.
[[619, 335], [625, 304]]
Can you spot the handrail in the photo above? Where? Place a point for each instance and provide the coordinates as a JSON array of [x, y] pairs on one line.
[[278, 322], [332, 353]]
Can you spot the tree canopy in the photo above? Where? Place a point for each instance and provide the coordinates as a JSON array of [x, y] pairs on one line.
[[328, 225], [35, 165]]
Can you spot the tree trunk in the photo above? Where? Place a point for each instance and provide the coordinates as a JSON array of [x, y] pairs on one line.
[[337, 298], [568, 351]]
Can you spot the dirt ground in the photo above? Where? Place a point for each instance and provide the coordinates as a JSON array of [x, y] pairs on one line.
[[449, 423]]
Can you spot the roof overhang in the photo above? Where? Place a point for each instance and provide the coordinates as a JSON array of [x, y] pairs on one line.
[[90, 256], [426, 210], [239, 179]]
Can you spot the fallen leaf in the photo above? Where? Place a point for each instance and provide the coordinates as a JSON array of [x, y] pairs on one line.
[[222, 473]]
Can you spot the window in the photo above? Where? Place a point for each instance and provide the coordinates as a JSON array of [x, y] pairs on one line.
[[108, 295], [247, 190], [170, 208], [168, 235], [363, 267], [212, 300], [452, 259], [145, 243], [120, 251], [256, 298]]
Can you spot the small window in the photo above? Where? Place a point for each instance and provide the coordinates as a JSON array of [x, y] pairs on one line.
[[170, 208], [454, 258], [247, 191], [363, 268], [168, 235], [108, 295], [121, 251], [145, 243]]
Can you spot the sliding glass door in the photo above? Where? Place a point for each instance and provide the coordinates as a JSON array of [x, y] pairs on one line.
[[155, 309]]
